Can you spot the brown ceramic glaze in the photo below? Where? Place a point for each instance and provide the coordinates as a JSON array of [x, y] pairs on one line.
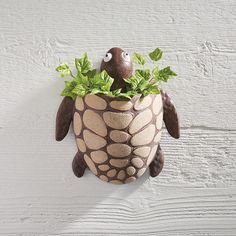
[[170, 116], [118, 67], [64, 117]]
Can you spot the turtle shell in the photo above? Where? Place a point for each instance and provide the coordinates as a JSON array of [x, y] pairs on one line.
[[118, 138]]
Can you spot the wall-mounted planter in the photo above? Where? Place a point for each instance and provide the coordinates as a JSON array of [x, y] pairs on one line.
[[117, 137]]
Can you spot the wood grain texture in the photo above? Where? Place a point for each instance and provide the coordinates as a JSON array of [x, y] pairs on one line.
[[195, 195]]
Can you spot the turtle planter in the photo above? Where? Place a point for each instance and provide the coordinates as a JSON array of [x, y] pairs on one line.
[[117, 138]]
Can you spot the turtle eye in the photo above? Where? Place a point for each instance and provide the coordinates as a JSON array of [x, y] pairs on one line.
[[126, 56], [107, 57]]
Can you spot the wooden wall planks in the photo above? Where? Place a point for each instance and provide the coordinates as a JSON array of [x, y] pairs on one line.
[[196, 192]]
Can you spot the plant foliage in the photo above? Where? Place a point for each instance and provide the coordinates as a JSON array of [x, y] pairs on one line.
[[88, 80]]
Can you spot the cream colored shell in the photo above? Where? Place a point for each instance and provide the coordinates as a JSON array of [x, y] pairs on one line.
[[118, 138]]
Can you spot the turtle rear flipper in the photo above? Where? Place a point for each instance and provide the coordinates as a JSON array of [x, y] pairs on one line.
[[64, 118], [170, 116], [157, 163], [79, 165]]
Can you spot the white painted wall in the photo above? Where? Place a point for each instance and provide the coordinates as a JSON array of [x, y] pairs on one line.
[[196, 192]]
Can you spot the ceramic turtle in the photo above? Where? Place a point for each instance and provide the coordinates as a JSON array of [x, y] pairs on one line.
[[117, 138]]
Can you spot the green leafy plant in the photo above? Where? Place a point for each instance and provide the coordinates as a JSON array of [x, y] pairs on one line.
[[88, 80]]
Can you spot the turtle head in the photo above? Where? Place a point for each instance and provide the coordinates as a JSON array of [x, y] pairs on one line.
[[117, 63]]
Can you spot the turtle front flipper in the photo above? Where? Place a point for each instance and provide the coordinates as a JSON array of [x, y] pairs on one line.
[[170, 116], [64, 118], [79, 165], [157, 163]]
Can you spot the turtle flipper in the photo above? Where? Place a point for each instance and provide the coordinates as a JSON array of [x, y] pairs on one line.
[[64, 118], [79, 165], [170, 116], [157, 163]]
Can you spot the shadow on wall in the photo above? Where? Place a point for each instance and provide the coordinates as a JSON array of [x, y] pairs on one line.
[[54, 199]]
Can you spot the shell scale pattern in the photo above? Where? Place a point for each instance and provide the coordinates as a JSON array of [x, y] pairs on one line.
[[118, 138]]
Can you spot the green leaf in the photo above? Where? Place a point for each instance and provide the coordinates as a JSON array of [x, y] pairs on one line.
[[66, 93], [138, 58], [116, 92], [107, 81], [108, 93], [82, 79], [165, 74], [146, 74], [105, 77], [91, 73], [100, 81], [69, 86], [95, 81], [64, 70], [128, 94], [83, 64], [95, 91], [79, 90], [151, 89], [155, 73], [142, 85], [156, 54], [133, 82], [125, 95]]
